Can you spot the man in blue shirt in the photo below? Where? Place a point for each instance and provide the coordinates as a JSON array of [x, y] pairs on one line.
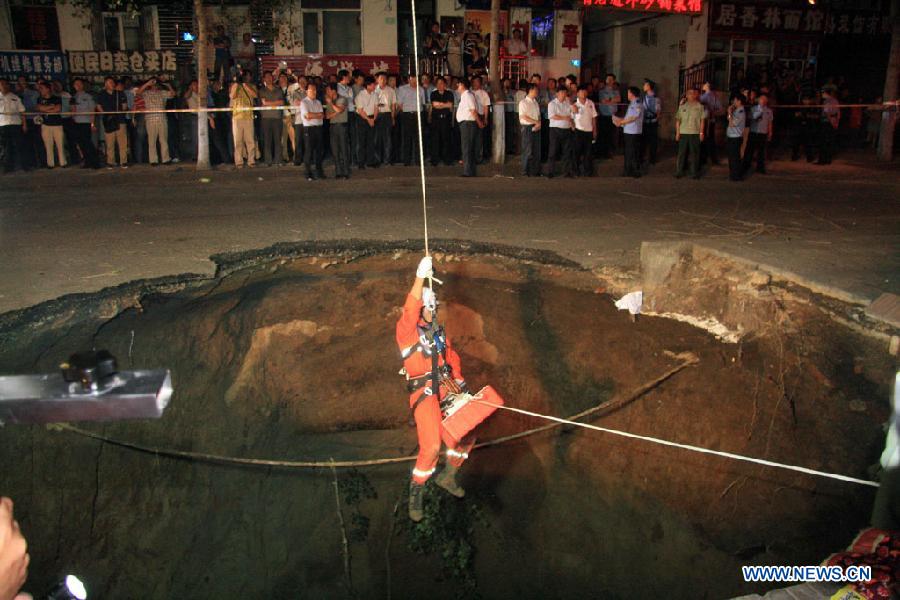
[[652, 108], [33, 146], [830, 121], [610, 97], [736, 137], [710, 100], [632, 127], [83, 125], [760, 133]]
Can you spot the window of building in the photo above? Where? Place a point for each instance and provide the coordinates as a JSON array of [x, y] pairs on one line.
[[736, 61], [332, 31], [35, 27], [541, 32], [648, 36], [122, 31]]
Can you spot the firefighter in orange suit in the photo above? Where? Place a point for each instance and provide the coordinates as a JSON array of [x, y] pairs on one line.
[[420, 339]]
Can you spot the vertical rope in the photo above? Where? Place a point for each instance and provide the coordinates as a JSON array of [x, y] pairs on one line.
[[420, 89]]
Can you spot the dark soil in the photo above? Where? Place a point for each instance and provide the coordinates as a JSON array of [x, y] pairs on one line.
[[295, 359]]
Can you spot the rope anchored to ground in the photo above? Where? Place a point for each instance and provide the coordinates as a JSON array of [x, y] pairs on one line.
[[611, 405]]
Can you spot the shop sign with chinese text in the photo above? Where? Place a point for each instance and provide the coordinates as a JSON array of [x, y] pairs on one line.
[[33, 65], [94, 66], [736, 17], [666, 6]]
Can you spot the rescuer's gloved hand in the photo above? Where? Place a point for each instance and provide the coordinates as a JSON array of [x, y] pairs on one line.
[[425, 268]]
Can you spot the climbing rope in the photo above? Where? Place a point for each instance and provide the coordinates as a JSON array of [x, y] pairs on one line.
[[645, 438], [420, 89], [555, 422]]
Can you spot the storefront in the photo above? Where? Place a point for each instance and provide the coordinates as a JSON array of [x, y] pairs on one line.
[[757, 42]]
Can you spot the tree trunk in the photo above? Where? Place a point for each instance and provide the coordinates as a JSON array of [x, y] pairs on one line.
[[497, 134], [202, 86], [889, 116]]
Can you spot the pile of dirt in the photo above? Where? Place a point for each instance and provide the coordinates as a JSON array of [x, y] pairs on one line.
[[296, 359]]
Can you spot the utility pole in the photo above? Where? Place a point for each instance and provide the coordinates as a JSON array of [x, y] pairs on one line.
[[202, 86], [497, 135], [891, 89]]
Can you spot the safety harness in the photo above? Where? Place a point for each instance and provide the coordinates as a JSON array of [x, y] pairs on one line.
[[432, 342]]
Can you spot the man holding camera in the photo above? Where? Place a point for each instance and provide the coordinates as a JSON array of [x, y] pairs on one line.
[[112, 101], [155, 93], [243, 94]]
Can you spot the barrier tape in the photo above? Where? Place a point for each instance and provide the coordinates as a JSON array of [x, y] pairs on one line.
[[887, 106]]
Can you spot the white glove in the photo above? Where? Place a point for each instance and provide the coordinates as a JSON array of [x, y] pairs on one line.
[[424, 269]]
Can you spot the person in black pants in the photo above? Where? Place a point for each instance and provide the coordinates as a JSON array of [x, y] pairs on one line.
[[632, 125], [804, 130], [736, 136], [384, 120], [585, 118], [469, 119], [761, 118], [530, 123], [313, 117], [441, 123], [366, 110], [828, 125], [271, 121], [12, 126], [408, 97], [337, 115], [650, 135], [83, 125], [560, 112]]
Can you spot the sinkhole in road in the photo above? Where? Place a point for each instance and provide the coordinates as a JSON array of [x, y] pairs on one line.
[[293, 358]]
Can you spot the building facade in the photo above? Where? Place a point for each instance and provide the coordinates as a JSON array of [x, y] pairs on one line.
[[312, 36]]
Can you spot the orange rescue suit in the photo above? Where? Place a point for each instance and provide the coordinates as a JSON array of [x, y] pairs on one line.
[[427, 413]]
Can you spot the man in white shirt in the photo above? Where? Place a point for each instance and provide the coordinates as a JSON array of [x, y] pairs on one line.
[[468, 115], [560, 114], [408, 96], [366, 103], [585, 132], [346, 91], [483, 148], [530, 122], [12, 126], [385, 121], [515, 46], [312, 115], [246, 54]]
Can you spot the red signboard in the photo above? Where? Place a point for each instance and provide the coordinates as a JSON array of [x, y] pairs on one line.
[[322, 65], [667, 6]]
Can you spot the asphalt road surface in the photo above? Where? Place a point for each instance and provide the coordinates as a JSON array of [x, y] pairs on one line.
[[74, 230]]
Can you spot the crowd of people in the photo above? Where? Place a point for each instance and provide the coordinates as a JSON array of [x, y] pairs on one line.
[[558, 126]]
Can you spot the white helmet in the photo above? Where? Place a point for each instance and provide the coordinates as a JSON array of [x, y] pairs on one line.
[[429, 300]]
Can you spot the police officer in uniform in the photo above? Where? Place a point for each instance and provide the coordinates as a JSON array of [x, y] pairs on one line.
[[650, 135]]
